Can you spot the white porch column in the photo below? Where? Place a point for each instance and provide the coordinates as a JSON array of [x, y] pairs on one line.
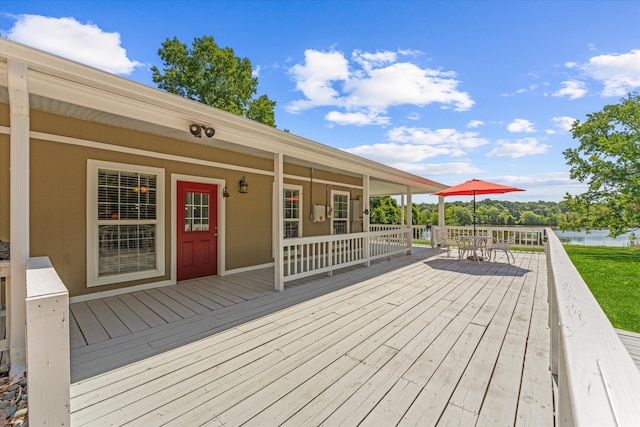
[[19, 212], [402, 209], [440, 211], [278, 225], [409, 217], [366, 217]]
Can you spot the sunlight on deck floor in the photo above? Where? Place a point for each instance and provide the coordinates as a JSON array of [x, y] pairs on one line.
[[417, 340]]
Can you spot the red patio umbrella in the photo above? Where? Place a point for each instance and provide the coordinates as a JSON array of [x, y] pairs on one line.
[[473, 187]]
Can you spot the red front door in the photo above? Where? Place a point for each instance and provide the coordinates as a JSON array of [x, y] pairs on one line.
[[197, 230]]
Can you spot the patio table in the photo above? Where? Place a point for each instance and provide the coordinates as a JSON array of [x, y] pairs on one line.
[[473, 244]]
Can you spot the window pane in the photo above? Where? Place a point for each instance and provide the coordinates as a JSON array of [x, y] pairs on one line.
[[126, 195], [291, 212], [340, 203], [340, 227], [132, 196], [196, 212], [126, 249], [290, 229]]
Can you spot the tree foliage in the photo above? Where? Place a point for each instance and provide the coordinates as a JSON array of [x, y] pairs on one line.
[[385, 210], [213, 76], [608, 160]]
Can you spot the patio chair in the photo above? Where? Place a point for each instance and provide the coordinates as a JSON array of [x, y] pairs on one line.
[[465, 244], [442, 238], [504, 245]]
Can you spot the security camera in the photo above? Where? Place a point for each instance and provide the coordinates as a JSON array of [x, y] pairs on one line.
[[196, 130]]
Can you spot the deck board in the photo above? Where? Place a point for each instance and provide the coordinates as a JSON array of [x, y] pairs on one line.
[[631, 341], [418, 339], [92, 329], [108, 319], [133, 322]]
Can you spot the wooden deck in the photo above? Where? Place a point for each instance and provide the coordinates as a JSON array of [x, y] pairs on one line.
[[631, 341], [417, 340]]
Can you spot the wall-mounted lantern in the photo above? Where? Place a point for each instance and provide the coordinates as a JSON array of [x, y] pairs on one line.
[[244, 187]]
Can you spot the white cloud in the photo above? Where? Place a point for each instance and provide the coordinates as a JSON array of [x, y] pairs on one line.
[[563, 122], [315, 79], [551, 186], [521, 125], [572, 88], [475, 123], [371, 83], [438, 169], [520, 148], [370, 60], [66, 37], [444, 137], [409, 147], [619, 73], [531, 88], [545, 178], [360, 118], [393, 153]]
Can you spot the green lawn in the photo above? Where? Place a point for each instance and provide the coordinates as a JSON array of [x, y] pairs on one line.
[[613, 275]]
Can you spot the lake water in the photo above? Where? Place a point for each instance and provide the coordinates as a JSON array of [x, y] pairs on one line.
[[593, 238]]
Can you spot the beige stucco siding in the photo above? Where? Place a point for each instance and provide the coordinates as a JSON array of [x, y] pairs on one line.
[[59, 189], [59, 194]]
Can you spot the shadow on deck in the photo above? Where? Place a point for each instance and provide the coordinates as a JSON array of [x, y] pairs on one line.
[[420, 339]]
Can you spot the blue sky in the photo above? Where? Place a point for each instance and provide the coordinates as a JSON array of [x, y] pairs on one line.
[[449, 90]]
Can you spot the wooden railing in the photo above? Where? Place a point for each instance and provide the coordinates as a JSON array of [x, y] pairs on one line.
[[48, 357], [4, 330], [598, 382], [306, 256], [532, 237]]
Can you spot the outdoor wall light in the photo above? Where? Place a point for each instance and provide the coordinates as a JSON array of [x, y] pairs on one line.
[[244, 187], [196, 130]]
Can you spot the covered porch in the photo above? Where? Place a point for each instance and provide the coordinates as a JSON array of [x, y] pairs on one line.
[[419, 339]]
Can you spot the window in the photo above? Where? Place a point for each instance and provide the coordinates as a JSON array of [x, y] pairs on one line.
[[125, 226], [340, 210], [292, 211], [196, 212]]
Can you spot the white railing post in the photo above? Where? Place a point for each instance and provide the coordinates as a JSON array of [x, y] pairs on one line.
[[278, 221], [553, 315], [5, 270], [48, 353], [598, 381]]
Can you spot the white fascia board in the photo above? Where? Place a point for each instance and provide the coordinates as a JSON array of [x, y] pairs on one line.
[[67, 81]]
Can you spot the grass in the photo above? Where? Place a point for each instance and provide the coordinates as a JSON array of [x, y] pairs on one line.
[[613, 276]]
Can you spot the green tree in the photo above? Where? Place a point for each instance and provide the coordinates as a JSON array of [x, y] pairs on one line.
[[213, 76], [384, 210], [458, 214], [531, 218], [608, 160]]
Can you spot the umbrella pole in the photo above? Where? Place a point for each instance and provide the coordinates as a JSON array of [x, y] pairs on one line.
[[474, 213]]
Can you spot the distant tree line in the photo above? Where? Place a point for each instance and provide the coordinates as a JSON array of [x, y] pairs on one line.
[[385, 210]]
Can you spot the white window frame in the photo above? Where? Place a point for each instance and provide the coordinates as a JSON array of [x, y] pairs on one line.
[[300, 204], [93, 222], [333, 210]]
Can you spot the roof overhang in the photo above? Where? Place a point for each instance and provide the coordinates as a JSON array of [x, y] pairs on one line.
[[71, 89]]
